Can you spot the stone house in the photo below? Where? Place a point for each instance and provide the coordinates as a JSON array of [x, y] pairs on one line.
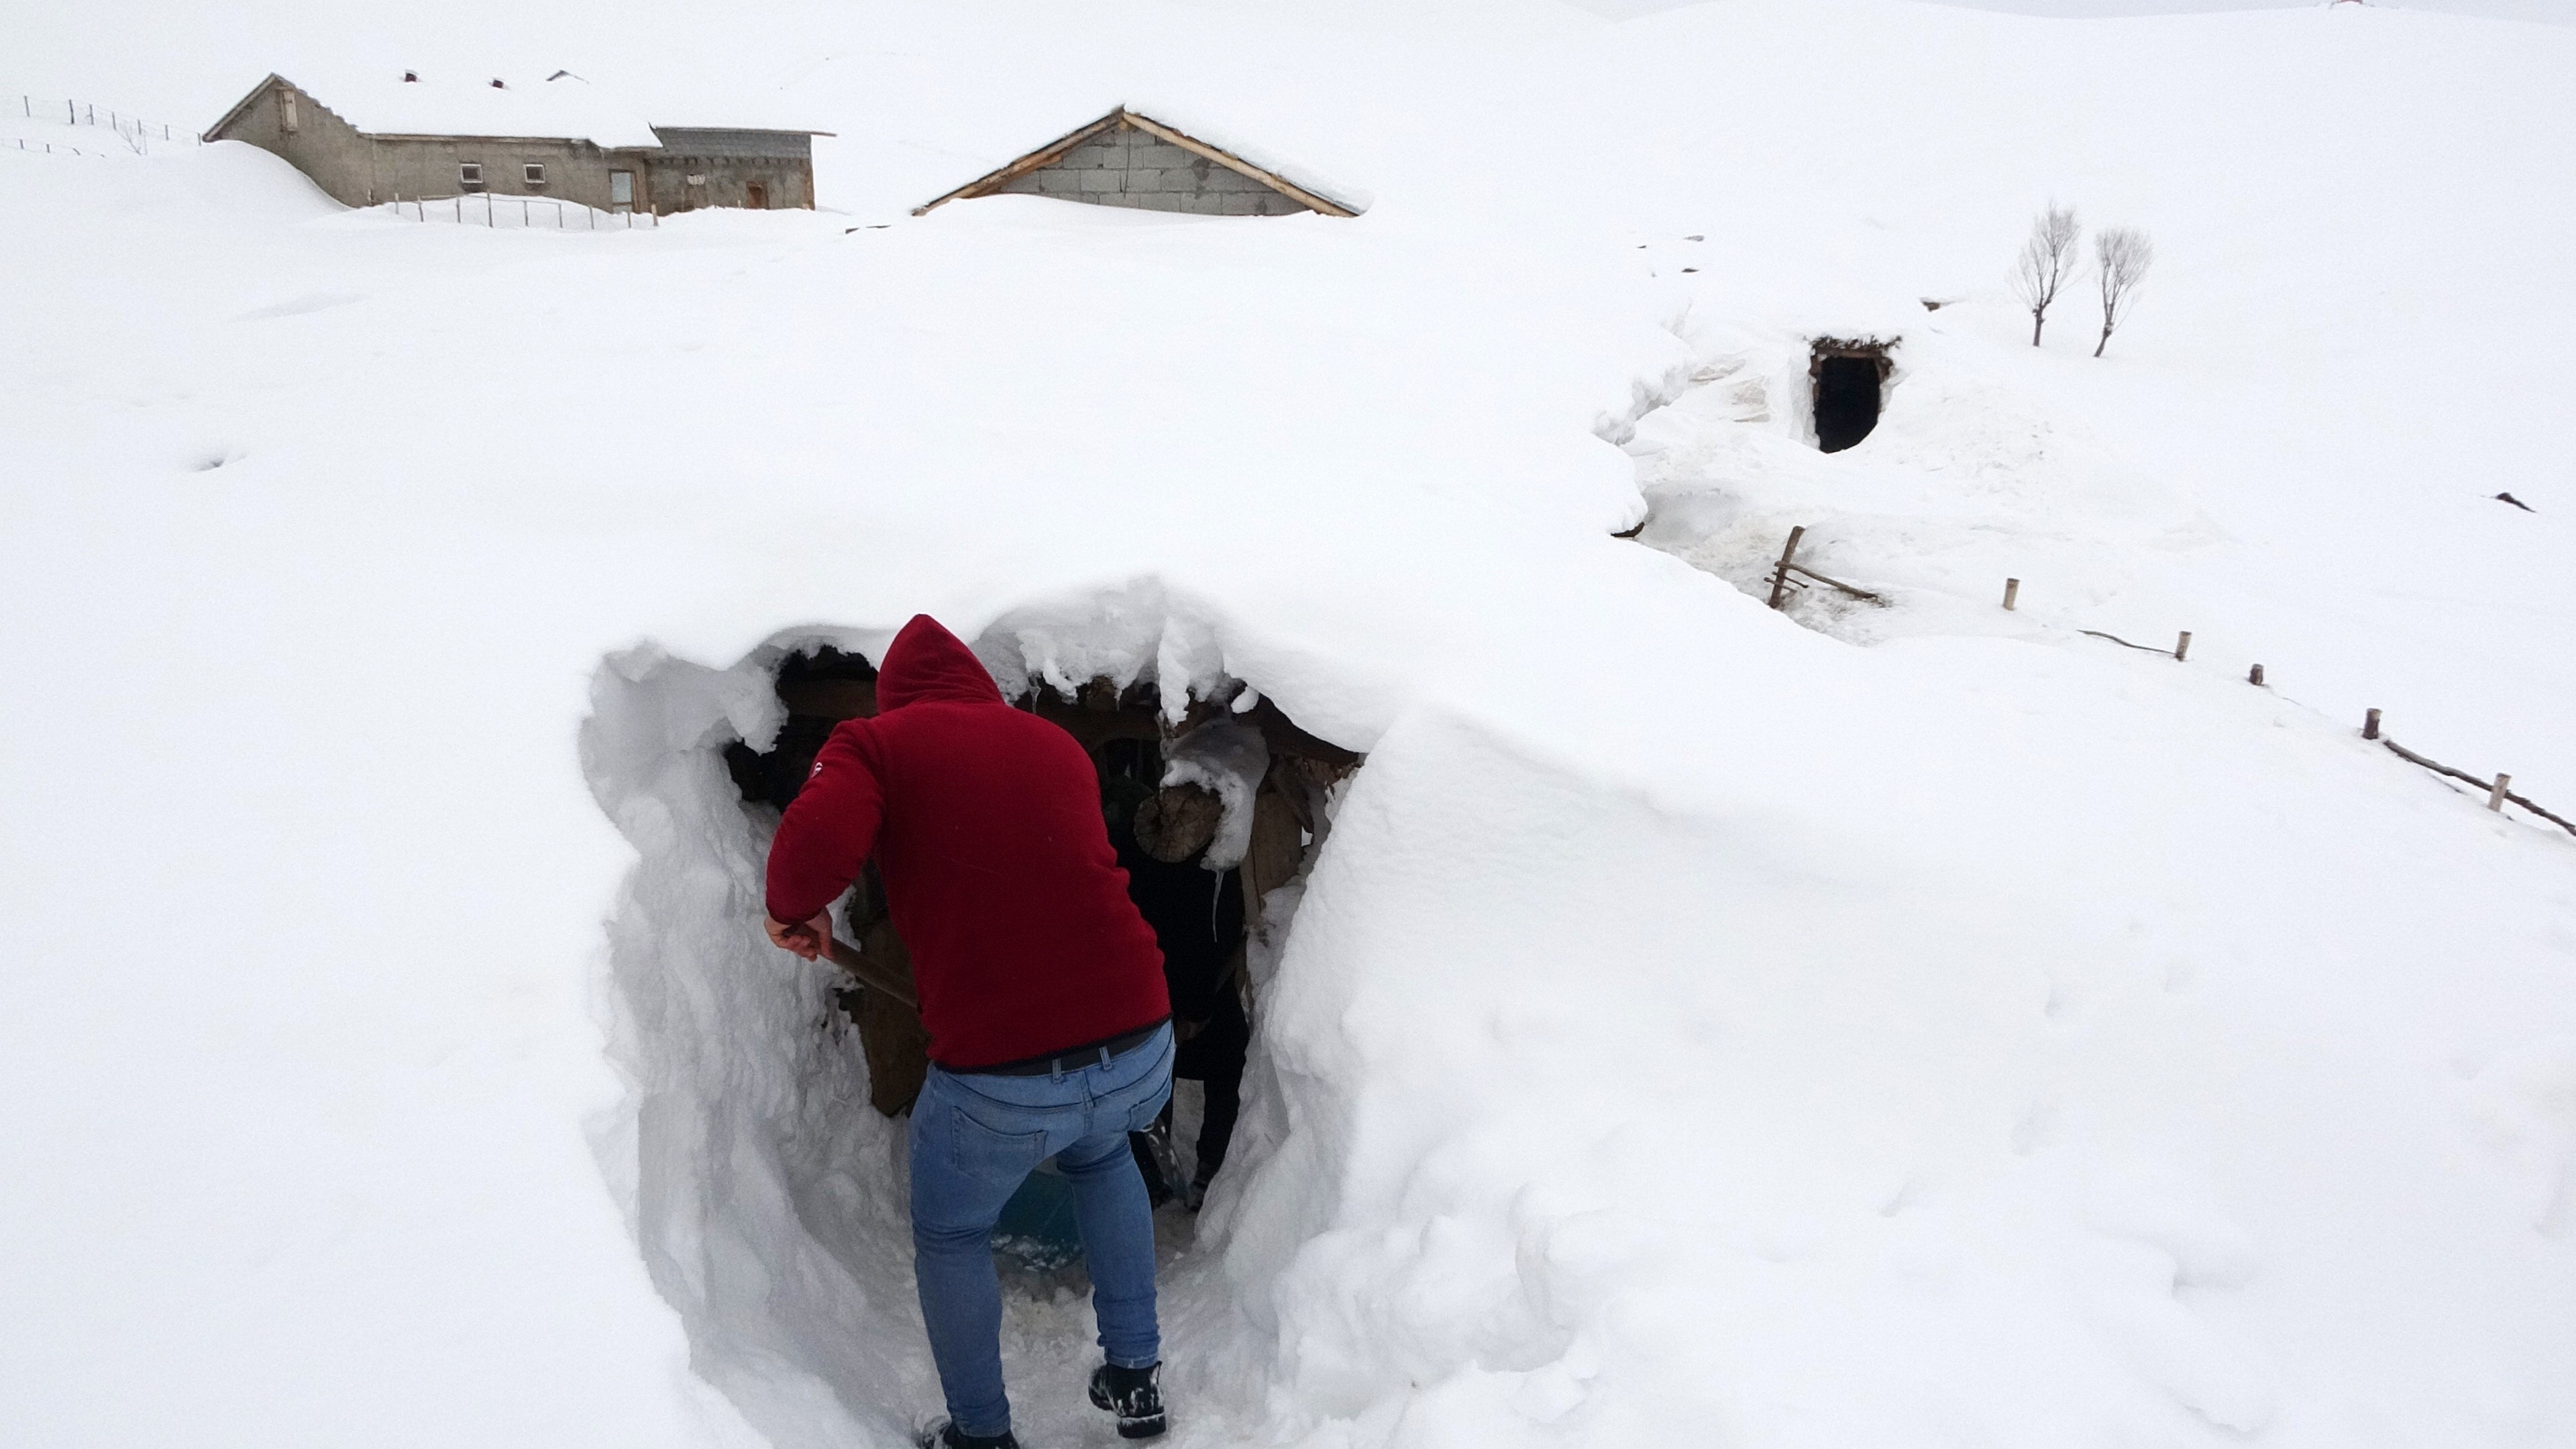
[[406, 137], [1129, 159]]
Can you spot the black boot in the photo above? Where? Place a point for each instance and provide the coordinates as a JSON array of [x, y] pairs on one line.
[[946, 1436], [1134, 1395]]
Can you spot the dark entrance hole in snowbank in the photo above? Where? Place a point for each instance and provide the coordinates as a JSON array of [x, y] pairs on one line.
[[1211, 813], [1849, 378]]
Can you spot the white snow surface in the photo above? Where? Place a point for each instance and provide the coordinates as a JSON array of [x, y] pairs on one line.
[[1912, 1025], [556, 105]]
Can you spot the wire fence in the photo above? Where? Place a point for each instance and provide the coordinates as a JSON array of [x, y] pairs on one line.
[[531, 213], [1788, 576], [49, 148], [136, 134]]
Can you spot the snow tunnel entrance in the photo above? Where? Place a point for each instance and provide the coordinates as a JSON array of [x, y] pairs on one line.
[[1849, 378], [1209, 815]]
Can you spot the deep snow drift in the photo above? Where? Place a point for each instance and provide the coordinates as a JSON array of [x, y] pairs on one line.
[[1926, 1027]]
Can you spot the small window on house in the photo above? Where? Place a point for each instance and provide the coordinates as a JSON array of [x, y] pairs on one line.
[[621, 190], [286, 112], [535, 173], [469, 175]]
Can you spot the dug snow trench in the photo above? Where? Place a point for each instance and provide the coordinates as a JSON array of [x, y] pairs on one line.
[[767, 1190]]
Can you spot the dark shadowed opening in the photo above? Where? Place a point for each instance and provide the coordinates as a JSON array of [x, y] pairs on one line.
[[1202, 919], [1850, 379], [1846, 401]]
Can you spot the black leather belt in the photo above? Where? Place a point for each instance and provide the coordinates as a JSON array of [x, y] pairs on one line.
[[1072, 1059]]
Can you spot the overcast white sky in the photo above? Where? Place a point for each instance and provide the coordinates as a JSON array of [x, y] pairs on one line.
[[2560, 11]]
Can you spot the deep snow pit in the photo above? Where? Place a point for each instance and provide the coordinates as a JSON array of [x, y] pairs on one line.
[[766, 1143]]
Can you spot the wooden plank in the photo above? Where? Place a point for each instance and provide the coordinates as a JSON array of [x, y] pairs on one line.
[[1045, 155], [1853, 590], [2123, 643], [876, 978], [2497, 787], [1285, 738], [1780, 575], [1234, 163]]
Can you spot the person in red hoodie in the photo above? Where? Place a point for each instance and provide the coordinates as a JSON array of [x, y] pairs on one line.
[[1041, 987]]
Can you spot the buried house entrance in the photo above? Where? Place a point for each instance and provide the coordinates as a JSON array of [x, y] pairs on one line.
[[1209, 816], [1849, 378]]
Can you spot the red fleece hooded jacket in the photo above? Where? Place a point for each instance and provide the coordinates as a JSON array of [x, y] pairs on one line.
[[986, 824]]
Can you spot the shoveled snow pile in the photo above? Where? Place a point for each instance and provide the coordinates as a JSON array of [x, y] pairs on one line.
[[1926, 1027]]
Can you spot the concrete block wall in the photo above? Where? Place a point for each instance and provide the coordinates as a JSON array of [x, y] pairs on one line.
[[576, 171], [732, 161], [788, 180], [1124, 166], [361, 170], [330, 150]]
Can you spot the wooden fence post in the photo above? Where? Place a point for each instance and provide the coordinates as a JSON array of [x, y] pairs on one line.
[[2256, 677], [2012, 592], [2370, 725], [2495, 800], [2182, 646], [1780, 576]]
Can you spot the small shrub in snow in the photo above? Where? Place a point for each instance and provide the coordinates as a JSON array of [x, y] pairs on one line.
[[2047, 263], [2122, 256]]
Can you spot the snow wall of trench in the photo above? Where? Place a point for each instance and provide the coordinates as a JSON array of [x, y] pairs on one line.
[[768, 1197], [1586, 1104]]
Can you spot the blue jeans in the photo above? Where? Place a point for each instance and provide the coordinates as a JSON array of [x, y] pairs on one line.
[[975, 1138]]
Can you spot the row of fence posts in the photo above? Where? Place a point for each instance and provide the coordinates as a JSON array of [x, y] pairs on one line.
[[491, 216], [2499, 790], [133, 130]]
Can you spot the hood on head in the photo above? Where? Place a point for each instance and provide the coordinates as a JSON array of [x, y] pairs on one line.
[[926, 662]]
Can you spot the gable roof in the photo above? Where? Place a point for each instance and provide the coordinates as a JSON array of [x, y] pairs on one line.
[[1055, 150], [561, 107]]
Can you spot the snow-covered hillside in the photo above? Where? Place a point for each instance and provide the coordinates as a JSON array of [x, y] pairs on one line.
[[1910, 1025]]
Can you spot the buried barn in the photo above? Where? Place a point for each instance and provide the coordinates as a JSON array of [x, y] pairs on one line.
[[1211, 806], [1130, 159]]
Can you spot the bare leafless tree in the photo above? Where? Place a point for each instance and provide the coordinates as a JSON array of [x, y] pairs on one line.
[[2047, 263], [2122, 255]]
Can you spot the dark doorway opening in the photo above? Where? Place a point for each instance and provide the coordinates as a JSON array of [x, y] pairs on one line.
[[1202, 919], [1850, 378], [756, 196]]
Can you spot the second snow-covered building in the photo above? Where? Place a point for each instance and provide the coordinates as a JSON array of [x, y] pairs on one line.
[[404, 136]]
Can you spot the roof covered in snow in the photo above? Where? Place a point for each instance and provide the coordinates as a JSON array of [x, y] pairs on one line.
[[1269, 172], [561, 106]]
